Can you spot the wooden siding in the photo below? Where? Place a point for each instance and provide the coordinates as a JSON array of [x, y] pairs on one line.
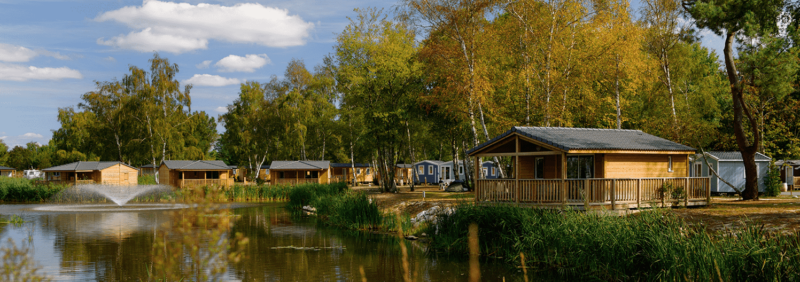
[[117, 175], [644, 166], [193, 178], [165, 175], [292, 177]]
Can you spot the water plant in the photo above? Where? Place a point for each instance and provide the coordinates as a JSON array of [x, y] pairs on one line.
[[650, 245], [24, 190], [18, 265]]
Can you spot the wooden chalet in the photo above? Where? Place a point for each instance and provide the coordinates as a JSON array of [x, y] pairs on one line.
[[588, 168], [7, 171], [184, 174], [298, 172], [790, 173], [404, 174], [148, 169], [344, 172], [77, 173]]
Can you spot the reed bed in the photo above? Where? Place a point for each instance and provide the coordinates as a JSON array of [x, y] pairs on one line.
[[24, 190], [651, 245]]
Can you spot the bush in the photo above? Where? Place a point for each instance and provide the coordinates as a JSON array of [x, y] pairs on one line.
[[147, 180], [350, 210], [773, 181], [24, 190]]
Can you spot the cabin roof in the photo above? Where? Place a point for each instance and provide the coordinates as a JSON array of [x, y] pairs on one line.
[[431, 161], [734, 156], [83, 166], [405, 165], [300, 164], [788, 162], [568, 138], [147, 166], [196, 165], [348, 165], [6, 168]]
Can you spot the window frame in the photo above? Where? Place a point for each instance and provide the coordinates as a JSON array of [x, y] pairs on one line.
[[484, 171], [580, 157], [367, 171], [460, 169], [421, 169], [669, 166], [536, 167], [430, 170], [493, 171]]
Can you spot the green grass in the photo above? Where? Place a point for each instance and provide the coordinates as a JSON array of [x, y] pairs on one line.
[[24, 190], [147, 180], [651, 245]]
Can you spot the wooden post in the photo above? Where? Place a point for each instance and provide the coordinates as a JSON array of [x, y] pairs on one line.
[[638, 193], [478, 190], [586, 190], [564, 178], [183, 179], [707, 181], [686, 189], [516, 172], [613, 194]]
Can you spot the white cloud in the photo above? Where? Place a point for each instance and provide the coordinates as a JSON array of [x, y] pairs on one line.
[[110, 59], [23, 139], [221, 110], [210, 80], [22, 73], [12, 53], [182, 27], [17, 54], [32, 135], [203, 65], [248, 63]]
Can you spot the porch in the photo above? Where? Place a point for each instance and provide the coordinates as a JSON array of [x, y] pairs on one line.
[[64, 182], [594, 193], [187, 183], [294, 181]]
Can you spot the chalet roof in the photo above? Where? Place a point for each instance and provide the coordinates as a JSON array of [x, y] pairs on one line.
[[196, 165], [734, 156], [6, 168], [431, 161], [788, 162], [348, 165], [567, 138], [147, 166], [405, 165], [300, 164], [83, 166]]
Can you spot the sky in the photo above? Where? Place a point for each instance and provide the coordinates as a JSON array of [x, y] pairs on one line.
[[53, 51]]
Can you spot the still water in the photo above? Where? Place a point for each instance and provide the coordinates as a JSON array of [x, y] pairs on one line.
[[117, 246]]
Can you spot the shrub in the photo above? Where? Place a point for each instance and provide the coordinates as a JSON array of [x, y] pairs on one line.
[[773, 181], [147, 180]]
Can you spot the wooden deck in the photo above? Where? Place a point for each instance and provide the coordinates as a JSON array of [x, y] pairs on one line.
[[205, 182], [619, 193], [294, 181]]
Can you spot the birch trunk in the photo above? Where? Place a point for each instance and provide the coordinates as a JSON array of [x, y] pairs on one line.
[[616, 93], [486, 134], [410, 154]]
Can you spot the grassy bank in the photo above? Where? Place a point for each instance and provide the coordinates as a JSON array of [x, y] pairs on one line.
[[24, 190], [651, 245]]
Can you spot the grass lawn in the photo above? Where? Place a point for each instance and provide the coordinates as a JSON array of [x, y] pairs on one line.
[[774, 213]]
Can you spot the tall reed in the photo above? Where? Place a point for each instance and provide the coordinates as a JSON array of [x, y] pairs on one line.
[[650, 245]]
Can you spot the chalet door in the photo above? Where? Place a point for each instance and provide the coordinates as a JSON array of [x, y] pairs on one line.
[[698, 170], [447, 172], [789, 175]]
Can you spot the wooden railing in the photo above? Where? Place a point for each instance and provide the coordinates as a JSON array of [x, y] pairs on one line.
[[294, 181], [627, 192], [796, 183], [206, 182]]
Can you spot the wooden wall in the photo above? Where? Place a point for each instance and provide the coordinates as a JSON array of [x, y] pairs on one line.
[[117, 175], [644, 165], [164, 175]]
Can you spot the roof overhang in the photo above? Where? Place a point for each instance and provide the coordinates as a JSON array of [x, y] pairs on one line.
[[508, 137]]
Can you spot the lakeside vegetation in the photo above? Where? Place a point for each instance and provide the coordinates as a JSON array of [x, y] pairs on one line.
[[650, 245]]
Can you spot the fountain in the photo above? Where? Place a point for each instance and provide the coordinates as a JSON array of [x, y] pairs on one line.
[[119, 194]]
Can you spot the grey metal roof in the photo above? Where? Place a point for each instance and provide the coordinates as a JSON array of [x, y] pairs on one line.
[[734, 156], [83, 166], [6, 168], [567, 138], [147, 166], [788, 162], [196, 165], [300, 165], [348, 165], [431, 161], [405, 165]]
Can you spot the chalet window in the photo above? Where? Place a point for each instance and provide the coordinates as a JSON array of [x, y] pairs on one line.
[[281, 174], [420, 169], [708, 173], [539, 168], [312, 174], [484, 171], [493, 172], [460, 169], [670, 164], [212, 175], [580, 167], [358, 171], [368, 171], [430, 170]]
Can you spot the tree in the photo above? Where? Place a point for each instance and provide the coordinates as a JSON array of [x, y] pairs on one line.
[[662, 35], [730, 18]]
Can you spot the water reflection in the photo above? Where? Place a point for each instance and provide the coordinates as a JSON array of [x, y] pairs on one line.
[[118, 246]]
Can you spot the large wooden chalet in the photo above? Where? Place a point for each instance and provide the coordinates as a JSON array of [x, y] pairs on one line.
[[6, 171], [195, 174], [588, 168], [114, 173], [298, 172]]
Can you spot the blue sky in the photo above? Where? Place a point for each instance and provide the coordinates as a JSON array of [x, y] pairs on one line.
[[51, 52]]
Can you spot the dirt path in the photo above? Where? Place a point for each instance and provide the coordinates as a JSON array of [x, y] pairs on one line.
[[776, 214]]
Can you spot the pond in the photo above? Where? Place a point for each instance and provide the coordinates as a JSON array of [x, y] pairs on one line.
[[107, 245]]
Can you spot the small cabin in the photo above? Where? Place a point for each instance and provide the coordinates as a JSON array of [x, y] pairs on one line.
[[6, 171], [790, 173], [95, 172], [182, 174], [263, 174], [587, 168], [148, 169], [344, 172], [729, 166], [430, 171], [403, 174], [298, 172]]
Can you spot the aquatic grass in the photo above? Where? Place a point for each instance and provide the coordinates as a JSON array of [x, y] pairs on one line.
[[350, 210], [14, 219], [24, 190], [650, 245]]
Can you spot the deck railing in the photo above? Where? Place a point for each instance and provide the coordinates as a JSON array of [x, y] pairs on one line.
[[206, 182], [614, 192], [294, 181], [796, 183]]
